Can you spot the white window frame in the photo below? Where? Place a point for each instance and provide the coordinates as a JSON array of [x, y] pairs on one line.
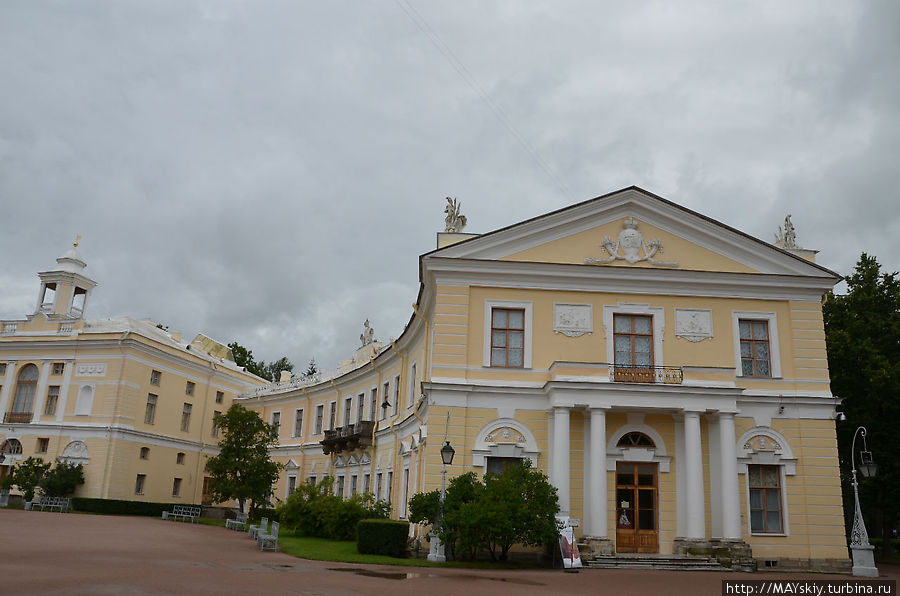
[[657, 316], [387, 393], [396, 405], [774, 350], [782, 477], [318, 428], [272, 418], [347, 414], [528, 307], [298, 432], [329, 422]]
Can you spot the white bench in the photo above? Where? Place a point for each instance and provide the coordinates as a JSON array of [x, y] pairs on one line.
[[263, 527], [183, 512], [238, 523], [264, 540], [51, 503]]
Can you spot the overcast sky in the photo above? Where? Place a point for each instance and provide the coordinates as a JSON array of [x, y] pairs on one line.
[[269, 171]]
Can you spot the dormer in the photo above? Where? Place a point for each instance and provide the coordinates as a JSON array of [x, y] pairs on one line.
[[64, 291]]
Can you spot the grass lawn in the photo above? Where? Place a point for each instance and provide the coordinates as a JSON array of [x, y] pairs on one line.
[[320, 549]]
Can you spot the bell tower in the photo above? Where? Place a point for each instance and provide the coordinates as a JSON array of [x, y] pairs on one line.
[[65, 290]]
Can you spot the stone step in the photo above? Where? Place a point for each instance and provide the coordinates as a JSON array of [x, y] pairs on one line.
[[654, 562]]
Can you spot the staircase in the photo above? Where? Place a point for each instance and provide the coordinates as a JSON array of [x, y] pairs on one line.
[[653, 561]]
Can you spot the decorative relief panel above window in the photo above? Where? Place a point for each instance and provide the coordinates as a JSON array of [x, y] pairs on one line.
[[693, 324], [573, 320]]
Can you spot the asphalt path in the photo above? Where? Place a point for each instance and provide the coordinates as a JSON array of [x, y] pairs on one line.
[[55, 553]]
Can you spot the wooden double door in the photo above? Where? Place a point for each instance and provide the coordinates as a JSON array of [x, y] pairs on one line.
[[637, 507]]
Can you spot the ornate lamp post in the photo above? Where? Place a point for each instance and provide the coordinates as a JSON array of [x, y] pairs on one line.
[[862, 552], [436, 552]]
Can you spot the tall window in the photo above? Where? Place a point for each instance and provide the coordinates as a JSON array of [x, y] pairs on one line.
[[154, 377], [508, 337], [179, 458], [411, 396], [332, 414], [52, 400], [276, 421], [633, 341], [339, 487], [189, 388], [360, 406], [220, 397], [150, 411], [348, 406], [396, 395], [298, 422], [25, 388], [353, 484], [754, 348], [373, 403], [390, 484], [145, 453], [176, 488], [43, 445], [765, 499], [139, 484], [385, 393], [378, 485], [186, 417], [59, 368], [215, 423], [320, 414]]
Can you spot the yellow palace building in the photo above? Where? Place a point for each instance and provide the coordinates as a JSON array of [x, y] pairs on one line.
[[666, 371], [132, 402]]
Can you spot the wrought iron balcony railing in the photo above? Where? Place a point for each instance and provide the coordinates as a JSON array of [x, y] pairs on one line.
[[18, 417], [666, 375], [348, 438]]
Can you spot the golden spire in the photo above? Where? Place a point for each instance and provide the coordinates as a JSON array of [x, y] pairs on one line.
[[77, 238]]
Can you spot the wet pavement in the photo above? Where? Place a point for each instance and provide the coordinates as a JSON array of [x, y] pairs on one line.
[[55, 553]]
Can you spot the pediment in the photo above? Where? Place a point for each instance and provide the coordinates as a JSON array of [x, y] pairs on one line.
[[633, 228]]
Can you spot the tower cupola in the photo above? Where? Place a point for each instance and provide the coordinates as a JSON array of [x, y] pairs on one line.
[[65, 290]]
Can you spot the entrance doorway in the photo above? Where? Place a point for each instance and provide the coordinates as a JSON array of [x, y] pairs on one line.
[[637, 528]]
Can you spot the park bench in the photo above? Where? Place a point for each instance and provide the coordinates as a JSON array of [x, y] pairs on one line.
[[263, 527], [183, 512], [263, 540], [60, 503], [238, 523]]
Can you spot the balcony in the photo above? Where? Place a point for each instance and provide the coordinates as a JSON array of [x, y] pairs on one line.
[[348, 438], [17, 417], [663, 375]]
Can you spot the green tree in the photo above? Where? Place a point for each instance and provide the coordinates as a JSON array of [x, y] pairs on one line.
[[243, 357], [311, 369], [243, 470], [27, 475], [62, 480], [862, 330]]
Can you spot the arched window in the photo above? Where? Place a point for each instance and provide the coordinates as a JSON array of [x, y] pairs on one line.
[[635, 439], [85, 401], [12, 447], [25, 387]]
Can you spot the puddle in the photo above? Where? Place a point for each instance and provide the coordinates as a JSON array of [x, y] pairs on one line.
[[381, 574]]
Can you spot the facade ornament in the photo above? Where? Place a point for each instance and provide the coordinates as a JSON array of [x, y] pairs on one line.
[[454, 221], [693, 324], [786, 238], [573, 320], [368, 335], [630, 247]]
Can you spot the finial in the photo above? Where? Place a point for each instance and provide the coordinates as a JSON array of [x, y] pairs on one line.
[[77, 238]]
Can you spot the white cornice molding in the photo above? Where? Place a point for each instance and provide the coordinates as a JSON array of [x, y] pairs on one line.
[[589, 278]]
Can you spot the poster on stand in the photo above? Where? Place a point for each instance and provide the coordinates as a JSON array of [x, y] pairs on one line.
[[567, 545]]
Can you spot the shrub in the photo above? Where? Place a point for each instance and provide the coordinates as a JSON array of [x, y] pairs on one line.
[[382, 537], [313, 510], [117, 507], [62, 480]]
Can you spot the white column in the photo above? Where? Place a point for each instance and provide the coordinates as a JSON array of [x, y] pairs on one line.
[[64, 390], [731, 514], [7, 386], [561, 457], [41, 391], [597, 477], [696, 514]]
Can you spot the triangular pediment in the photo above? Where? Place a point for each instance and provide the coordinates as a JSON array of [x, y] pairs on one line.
[[632, 228]]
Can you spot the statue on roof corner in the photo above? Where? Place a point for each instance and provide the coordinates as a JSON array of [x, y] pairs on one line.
[[454, 221], [368, 335], [788, 237]]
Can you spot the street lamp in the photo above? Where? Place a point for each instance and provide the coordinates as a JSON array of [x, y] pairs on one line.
[[436, 552], [863, 553]]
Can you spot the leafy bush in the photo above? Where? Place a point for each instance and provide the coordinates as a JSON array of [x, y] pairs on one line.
[[27, 475], [62, 480], [313, 510], [382, 537]]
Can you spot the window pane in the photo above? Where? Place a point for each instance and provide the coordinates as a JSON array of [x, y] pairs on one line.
[[756, 521], [623, 344], [498, 357], [760, 330], [624, 495], [746, 349], [515, 357], [642, 344], [498, 339], [645, 500], [646, 519], [762, 350], [762, 368], [773, 500], [770, 476], [754, 474], [516, 339], [747, 367], [745, 329], [498, 319], [516, 319], [622, 324], [773, 521], [756, 499], [642, 325], [623, 358]]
